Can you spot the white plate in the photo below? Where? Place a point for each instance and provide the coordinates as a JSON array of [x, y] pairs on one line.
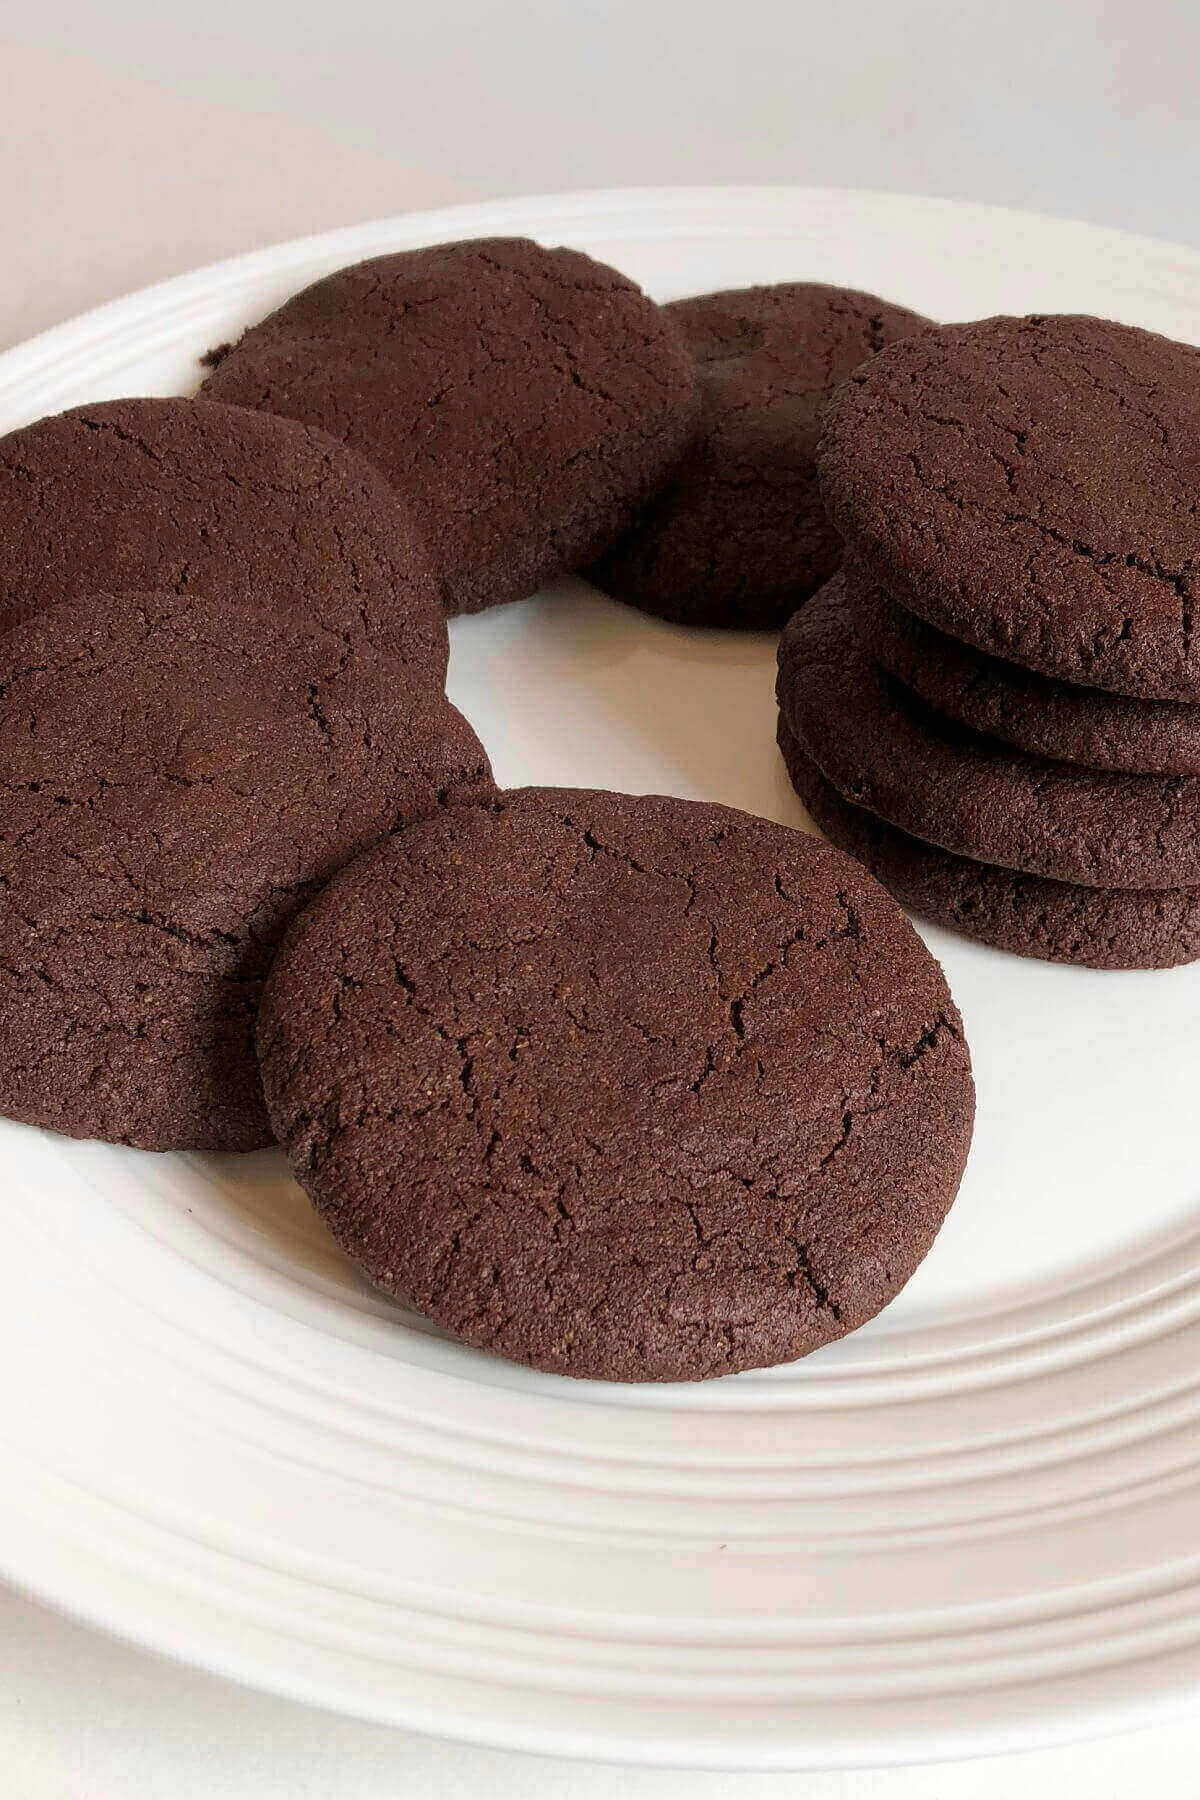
[[974, 1525]]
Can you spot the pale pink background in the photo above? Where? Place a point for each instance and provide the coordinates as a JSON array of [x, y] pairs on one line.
[[110, 183]]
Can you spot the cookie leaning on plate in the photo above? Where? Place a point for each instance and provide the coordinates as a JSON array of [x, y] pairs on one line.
[[738, 536], [1028, 486], [187, 495], [181, 775], [631, 1088], [523, 401]]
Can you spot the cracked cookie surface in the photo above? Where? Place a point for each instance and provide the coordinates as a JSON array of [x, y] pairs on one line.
[[630, 1088], [177, 781], [1030, 486], [523, 401], [1033, 712], [1057, 921], [189, 496], [883, 749], [738, 536]]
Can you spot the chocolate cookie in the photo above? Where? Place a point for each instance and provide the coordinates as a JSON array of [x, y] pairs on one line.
[[1058, 921], [882, 749], [632, 1088], [1029, 486], [523, 401], [181, 775], [190, 496], [1037, 714], [738, 536]]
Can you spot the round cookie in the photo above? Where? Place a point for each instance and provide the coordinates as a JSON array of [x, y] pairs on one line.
[[738, 536], [181, 775], [883, 750], [1039, 715], [1058, 921], [1028, 486], [524, 401], [191, 496], [630, 1088]]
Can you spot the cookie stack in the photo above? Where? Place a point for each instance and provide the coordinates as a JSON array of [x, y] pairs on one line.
[[996, 704]]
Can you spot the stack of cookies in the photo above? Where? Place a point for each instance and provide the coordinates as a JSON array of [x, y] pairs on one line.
[[995, 704]]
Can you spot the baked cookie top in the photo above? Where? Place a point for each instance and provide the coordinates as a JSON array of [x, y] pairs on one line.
[[631, 1088], [1029, 485], [523, 401]]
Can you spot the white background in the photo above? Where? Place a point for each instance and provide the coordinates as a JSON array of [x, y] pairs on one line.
[[140, 139]]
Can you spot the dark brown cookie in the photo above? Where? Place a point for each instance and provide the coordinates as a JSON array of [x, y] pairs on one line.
[[633, 1088], [1029, 486], [524, 401], [190, 496], [1034, 712], [179, 780], [1058, 921], [882, 749], [738, 536]]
